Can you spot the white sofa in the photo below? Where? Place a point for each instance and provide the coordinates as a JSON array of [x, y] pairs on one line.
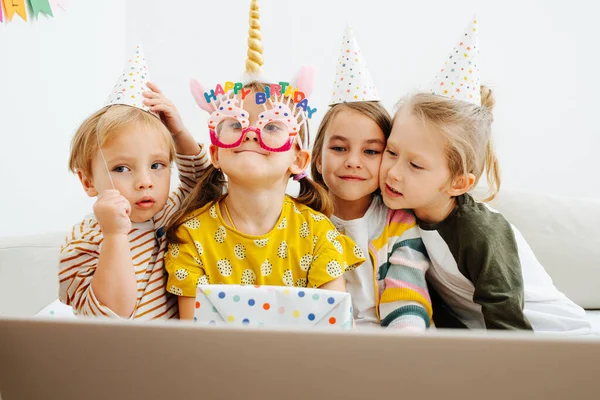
[[563, 232]]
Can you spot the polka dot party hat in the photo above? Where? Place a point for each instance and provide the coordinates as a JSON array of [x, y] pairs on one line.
[[353, 81], [132, 83], [459, 77]]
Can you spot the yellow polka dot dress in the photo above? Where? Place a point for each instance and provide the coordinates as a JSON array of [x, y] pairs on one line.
[[303, 249]]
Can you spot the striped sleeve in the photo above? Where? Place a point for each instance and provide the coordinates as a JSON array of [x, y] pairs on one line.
[[191, 169], [405, 300], [78, 261]]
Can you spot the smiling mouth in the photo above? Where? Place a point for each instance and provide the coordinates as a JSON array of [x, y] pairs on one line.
[[352, 178], [250, 151], [392, 192]]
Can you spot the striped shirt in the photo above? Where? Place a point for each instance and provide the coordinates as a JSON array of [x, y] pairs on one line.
[[389, 289], [402, 263], [79, 255]]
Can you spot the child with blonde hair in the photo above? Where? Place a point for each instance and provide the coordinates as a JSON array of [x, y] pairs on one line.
[[255, 234], [389, 289], [112, 262], [484, 275], [239, 226]]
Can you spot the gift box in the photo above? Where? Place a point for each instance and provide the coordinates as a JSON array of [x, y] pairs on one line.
[[56, 309], [272, 305]]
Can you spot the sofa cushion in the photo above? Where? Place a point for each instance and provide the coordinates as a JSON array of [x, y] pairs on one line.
[[28, 273], [564, 234]]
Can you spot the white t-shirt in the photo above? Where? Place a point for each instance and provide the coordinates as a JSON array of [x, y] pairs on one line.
[[360, 282]]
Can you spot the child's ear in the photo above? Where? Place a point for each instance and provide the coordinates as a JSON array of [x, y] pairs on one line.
[[461, 185], [87, 183], [214, 156], [301, 162], [319, 164]]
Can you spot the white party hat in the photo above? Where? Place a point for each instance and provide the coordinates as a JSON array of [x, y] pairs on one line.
[[459, 77], [353, 81], [131, 84]]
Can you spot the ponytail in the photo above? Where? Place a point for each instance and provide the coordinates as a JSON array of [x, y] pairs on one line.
[[209, 189], [314, 196], [488, 100], [492, 168], [490, 162]]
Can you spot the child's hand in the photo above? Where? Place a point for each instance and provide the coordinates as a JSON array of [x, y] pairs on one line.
[[112, 212], [159, 104]]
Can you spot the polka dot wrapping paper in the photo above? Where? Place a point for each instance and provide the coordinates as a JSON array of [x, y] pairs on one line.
[[272, 305]]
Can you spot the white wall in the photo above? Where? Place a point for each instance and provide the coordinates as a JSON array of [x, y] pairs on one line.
[[538, 55], [54, 72]]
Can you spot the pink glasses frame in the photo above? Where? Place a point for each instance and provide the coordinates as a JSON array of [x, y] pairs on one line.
[[280, 112], [214, 139]]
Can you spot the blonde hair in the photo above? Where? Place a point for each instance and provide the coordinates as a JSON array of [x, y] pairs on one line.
[[467, 130], [102, 126], [212, 187], [371, 109]]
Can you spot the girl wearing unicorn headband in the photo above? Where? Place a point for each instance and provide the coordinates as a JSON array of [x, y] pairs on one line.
[[389, 289], [245, 229]]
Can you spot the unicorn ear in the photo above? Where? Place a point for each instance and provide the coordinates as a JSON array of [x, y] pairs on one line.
[[305, 79], [198, 93]]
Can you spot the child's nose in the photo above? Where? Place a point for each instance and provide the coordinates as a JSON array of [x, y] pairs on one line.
[[251, 135], [144, 182], [396, 173], [353, 160]]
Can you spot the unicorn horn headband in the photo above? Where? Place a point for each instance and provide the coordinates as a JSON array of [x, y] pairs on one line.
[[254, 60], [277, 95]]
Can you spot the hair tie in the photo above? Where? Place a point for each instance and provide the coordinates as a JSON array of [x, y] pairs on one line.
[[301, 175]]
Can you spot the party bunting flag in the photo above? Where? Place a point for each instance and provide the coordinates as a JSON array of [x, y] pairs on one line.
[[38, 6], [15, 6]]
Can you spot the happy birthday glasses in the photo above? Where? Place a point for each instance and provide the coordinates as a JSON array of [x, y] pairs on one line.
[[278, 126]]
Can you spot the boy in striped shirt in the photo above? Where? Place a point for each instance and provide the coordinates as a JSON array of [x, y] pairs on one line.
[[112, 262]]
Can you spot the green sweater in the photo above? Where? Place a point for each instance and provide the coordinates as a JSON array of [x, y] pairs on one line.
[[476, 278]]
